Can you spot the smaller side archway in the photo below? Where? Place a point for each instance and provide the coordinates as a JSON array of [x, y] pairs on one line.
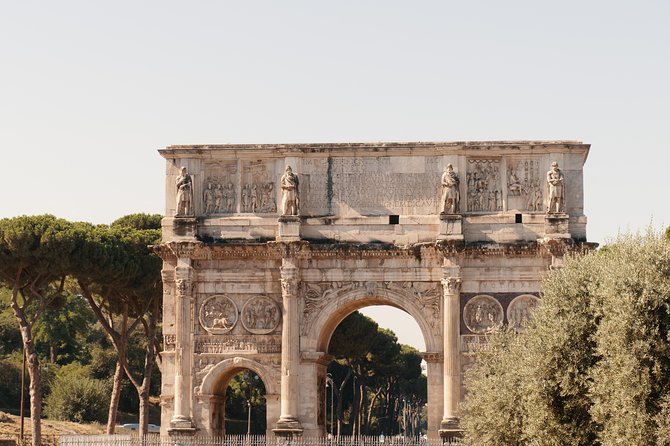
[[212, 393]]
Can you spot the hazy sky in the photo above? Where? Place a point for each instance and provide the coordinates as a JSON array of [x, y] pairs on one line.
[[90, 90]]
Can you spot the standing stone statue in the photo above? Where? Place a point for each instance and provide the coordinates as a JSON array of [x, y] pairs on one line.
[[450, 194], [556, 189], [184, 193], [289, 187]]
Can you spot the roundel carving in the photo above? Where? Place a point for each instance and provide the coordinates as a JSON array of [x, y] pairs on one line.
[[482, 314], [260, 315], [218, 314], [520, 309]]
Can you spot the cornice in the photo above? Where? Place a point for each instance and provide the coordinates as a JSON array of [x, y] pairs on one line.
[[305, 250]]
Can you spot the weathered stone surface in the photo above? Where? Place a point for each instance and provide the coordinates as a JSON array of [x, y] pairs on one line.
[[246, 287]]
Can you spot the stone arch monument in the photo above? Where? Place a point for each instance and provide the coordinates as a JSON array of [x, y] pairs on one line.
[[269, 247]]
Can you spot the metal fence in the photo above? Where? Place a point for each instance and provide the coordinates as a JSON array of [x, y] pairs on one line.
[[247, 440]]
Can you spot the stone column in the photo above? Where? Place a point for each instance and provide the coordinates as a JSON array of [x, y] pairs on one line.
[[288, 423], [451, 286], [181, 417]]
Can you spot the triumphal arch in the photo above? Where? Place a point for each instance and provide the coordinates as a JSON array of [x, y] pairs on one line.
[[267, 248]]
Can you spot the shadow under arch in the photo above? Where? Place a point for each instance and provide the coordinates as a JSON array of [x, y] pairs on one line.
[[341, 305]]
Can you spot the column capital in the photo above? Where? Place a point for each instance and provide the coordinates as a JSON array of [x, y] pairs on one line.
[[452, 285]]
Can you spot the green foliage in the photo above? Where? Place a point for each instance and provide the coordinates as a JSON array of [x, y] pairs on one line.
[[76, 396], [593, 366], [245, 387], [10, 382], [61, 334], [385, 373], [139, 221], [10, 336]]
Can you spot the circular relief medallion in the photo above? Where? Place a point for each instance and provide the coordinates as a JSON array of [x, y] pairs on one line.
[[260, 315], [482, 314], [520, 309], [218, 314]]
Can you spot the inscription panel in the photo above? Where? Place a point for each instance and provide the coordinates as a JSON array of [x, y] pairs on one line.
[[369, 186]]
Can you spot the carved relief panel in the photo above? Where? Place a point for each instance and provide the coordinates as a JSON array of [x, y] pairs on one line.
[[520, 309], [482, 314], [218, 315], [219, 192], [259, 191], [524, 185], [483, 185], [261, 315]]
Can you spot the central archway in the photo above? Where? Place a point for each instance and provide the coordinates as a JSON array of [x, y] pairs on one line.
[[423, 305]]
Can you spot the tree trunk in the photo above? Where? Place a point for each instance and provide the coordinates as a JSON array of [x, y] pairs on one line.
[[114, 398], [35, 388]]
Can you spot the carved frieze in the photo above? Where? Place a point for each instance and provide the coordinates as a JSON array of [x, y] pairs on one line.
[[473, 343], [218, 314], [482, 314], [520, 309], [260, 315], [219, 191], [259, 194], [524, 185], [484, 185], [237, 345]]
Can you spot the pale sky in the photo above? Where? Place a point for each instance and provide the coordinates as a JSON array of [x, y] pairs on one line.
[[90, 90]]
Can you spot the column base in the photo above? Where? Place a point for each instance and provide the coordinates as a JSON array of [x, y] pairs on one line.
[[288, 428], [450, 429], [181, 426]]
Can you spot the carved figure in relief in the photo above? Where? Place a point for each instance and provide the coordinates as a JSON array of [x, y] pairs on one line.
[[520, 310], [450, 194], [514, 186], [184, 193], [556, 187], [254, 197], [483, 180], [290, 199], [246, 195], [482, 314], [218, 315], [229, 196], [218, 199], [208, 198], [260, 315]]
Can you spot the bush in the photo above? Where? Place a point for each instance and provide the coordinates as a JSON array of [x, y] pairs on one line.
[[75, 396], [10, 382]]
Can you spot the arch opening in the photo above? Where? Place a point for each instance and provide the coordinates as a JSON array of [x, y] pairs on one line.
[[375, 385], [241, 398]]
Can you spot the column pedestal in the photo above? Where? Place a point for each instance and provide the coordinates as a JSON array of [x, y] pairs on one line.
[[451, 227], [556, 226], [289, 228]]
